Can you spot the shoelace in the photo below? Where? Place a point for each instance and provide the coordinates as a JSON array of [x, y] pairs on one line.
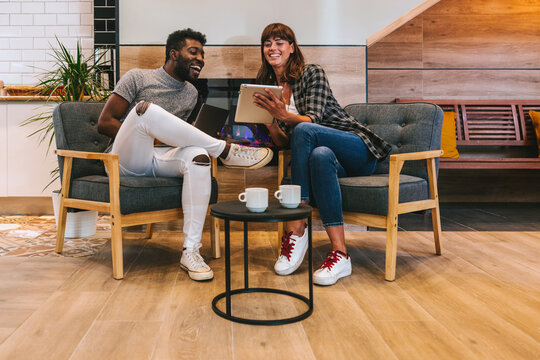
[[246, 152], [287, 245], [332, 258], [194, 257]]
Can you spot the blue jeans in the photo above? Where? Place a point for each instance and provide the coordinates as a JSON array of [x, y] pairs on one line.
[[319, 157]]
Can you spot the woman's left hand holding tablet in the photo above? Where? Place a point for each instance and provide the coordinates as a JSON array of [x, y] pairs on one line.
[[271, 103]]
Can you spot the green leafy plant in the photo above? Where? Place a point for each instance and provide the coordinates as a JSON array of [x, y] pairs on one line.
[[75, 77]]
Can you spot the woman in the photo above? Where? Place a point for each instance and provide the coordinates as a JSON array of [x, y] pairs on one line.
[[326, 144]]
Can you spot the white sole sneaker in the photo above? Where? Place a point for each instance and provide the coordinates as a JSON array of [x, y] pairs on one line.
[[337, 265], [198, 276], [292, 269], [330, 280], [301, 242], [238, 158]]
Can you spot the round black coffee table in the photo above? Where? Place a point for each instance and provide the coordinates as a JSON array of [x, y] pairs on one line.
[[237, 211]]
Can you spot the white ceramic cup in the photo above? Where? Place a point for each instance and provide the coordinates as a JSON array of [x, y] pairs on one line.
[[256, 199], [288, 196]]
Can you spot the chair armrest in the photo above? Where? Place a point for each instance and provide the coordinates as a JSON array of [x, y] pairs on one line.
[[421, 155], [283, 155], [214, 165], [86, 155]]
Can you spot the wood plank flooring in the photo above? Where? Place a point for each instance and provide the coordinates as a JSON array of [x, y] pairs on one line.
[[479, 300]]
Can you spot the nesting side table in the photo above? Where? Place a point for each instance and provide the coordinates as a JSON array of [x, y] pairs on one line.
[[237, 211]]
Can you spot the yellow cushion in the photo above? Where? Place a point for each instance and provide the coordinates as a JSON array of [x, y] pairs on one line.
[[535, 118], [448, 136]]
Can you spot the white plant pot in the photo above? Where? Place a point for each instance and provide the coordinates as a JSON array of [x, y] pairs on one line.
[[78, 224]]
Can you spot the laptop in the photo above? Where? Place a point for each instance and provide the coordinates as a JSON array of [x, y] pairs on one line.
[[211, 119]]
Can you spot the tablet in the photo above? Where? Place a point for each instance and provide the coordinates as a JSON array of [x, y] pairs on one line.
[[247, 111]]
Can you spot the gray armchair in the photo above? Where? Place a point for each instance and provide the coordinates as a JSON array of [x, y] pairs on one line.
[[85, 185], [400, 184]]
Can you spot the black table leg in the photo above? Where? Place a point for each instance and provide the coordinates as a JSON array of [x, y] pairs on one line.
[[227, 268], [246, 277], [310, 261]]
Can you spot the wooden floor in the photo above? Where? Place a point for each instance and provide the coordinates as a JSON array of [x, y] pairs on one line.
[[480, 300]]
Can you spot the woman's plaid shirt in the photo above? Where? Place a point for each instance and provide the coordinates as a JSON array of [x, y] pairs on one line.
[[313, 97]]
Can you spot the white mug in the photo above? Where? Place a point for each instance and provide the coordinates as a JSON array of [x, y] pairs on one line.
[[288, 196], [256, 199]]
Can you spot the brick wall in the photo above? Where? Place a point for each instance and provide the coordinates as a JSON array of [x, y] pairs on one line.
[[27, 28]]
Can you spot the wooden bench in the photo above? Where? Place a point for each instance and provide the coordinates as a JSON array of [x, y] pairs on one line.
[[491, 134]]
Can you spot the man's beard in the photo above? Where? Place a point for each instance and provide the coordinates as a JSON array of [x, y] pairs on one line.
[[181, 69]]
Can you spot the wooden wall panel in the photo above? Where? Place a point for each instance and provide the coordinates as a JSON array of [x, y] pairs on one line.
[[224, 62], [482, 7], [344, 65], [481, 55], [496, 43], [486, 84], [142, 57], [400, 49], [403, 84]]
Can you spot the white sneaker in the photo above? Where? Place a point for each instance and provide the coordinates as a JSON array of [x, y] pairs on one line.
[[194, 264], [246, 157], [336, 265], [293, 250]]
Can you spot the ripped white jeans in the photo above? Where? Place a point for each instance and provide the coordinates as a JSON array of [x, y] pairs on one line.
[[137, 156]]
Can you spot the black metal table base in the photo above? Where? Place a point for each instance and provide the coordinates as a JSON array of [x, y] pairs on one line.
[[263, 322], [236, 211]]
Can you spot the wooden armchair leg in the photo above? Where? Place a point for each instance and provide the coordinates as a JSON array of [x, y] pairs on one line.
[[149, 231], [436, 220], [391, 249], [435, 212], [280, 232], [214, 238], [61, 228], [116, 249]]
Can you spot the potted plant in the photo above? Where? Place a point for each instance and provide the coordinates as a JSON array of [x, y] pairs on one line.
[[75, 77]]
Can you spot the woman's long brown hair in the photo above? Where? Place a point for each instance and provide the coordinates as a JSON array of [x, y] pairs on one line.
[[295, 63]]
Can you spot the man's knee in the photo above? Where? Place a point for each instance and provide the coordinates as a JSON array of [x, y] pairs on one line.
[[201, 160], [142, 107]]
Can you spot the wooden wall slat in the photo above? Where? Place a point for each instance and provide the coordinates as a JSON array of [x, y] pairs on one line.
[[400, 49], [344, 65], [395, 55], [403, 84], [482, 84], [494, 41], [481, 7]]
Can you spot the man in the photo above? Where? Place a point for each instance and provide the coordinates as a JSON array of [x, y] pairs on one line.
[[144, 117]]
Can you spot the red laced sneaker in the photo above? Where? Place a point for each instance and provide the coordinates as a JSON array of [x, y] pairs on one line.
[[287, 245], [336, 265], [293, 250]]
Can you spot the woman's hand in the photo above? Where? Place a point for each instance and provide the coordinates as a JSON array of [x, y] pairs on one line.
[[272, 104], [278, 136]]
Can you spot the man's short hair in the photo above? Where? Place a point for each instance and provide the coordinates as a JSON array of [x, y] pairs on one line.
[[177, 40]]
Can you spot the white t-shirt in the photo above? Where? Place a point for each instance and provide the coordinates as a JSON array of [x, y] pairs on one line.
[[292, 107]]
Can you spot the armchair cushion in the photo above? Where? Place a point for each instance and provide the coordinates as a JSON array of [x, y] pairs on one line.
[[137, 193], [408, 127], [369, 194], [75, 128]]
